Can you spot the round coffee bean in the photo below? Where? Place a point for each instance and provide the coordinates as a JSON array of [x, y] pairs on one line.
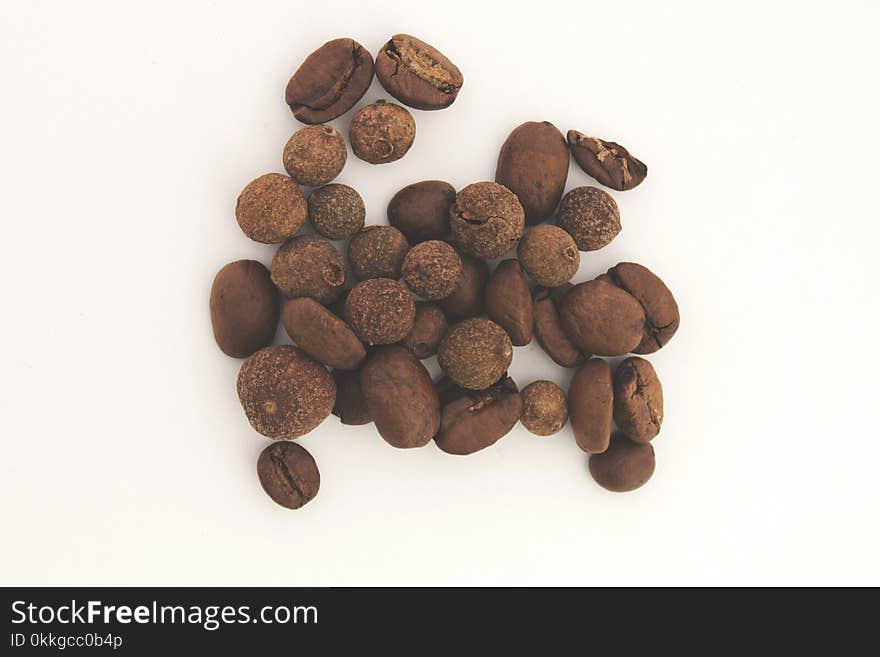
[[545, 410], [467, 300], [321, 334], [591, 405], [638, 400], [288, 474], [549, 255], [380, 310], [487, 220], [602, 319], [315, 155], [475, 353], [549, 333], [350, 407], [309, 266], [609, 163], [377, 252], [432, 270], [421, 210], [478, 418], [244, 308], [590, 216], [428, 330], [624, 466], [381, 132], [509, 302], [271, 208], [417, 74], [661, 310], [336, 211]]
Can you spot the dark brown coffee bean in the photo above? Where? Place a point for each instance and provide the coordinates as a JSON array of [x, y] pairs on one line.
[[288, 474], [549, 255], [509, 302], [336, 211], [467, 300], [590, 216], [432, 270], [549, 332], [284, 393], [330, 81], [447, 390], [533, 164], [315, 155], [602, 319], [487, 220], [428, 330], [381, 132], [638, 400], [475, 353], [271, 209], [479, 418], [417, 74], [401, 397], [421, 210], [661, 310], [544, 410], [321, 334], [377, 252], [591, 405], [624, 466], [309, 266], [350, 407], [380, 310], [609, 163], [244, 308]]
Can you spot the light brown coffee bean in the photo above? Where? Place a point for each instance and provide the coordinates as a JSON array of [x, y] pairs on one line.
[[661, 310], [417, 74], [602, 319], [624, 466], [476, 419], [244, 308], [321, 334], [591, 405], [549, 332], [638, 400], [609, 163], [509, 302]]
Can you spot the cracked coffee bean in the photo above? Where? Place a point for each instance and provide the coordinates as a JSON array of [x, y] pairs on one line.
[[509, 302], [336, 211], [315, 155], [309, 266], [533, 164], [544, 409], [421, 210], [549, 255], [350, 407], [288, 474], [661, 310], [600, 318], [609, 163], [330, 81], [271, 209], [244, 308], [475, 419], [549, 332], [428, 330], [377, 252], [624, 466], [417, 74], [380, 310], [487, 220], [638, 400], [381, 132], [432, 270], [475, 353], [467, 300], [591, 405], [590, 216], [321, 334]]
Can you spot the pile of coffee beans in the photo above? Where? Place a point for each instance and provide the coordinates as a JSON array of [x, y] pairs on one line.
[[363, 318]]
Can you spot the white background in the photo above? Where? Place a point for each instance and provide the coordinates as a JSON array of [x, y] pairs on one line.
[[127, 132]]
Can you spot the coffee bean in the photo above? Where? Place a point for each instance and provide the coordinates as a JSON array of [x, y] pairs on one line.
[[624, 466], [479, 418], [467, 300], [401, 397], [638, 400], [549, 255], [609, 163], [380, 310], [590, 216], [350, 406], [321, 334], [487, 220], [381, 132], [417, 74], [602, 319], [315, 155], [432, 270], [377, 252], [330, 81], [509, 302], [549, 332], [591, 405], [244, 308], [271, 209], [284, 393], [533, 164], [661, 310], [421, 210], [475, 353], [544, 409], [448, 390], [309, 266], [288, 474], [428, 330], [336, 211]]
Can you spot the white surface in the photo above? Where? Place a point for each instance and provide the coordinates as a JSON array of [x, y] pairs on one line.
[[127, 132]]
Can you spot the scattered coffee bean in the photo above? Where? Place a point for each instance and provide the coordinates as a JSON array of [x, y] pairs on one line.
[[624, 466], [478, 418], [591, 405], [544, 409], [315, 155], [350, 407], [509, 302], [609, 163], [487, 220], [377, 252], [288, 474], [549, 255], [284, 393], [321, 334], [533, 164], [400, 397], [330, 81], [590, 216], [428, 330], [602, 319], [421, 210], [271, 209], [309, 266], [381, 132], [336, 211], [244, 308], [661, 310], [475, 353], [549, 332], [432, 270], [380, 310], [417, 74], [467, 300], [638, 400]]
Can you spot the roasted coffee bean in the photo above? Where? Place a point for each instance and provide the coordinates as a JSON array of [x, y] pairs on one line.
[[544, 409], [271, 209], [509, 302], [336, 211], [609, 163], [487, 220], [421, 210], [448, 390], [549, 255], [330, 81], [350, 407], [590, 216], [380, 310], [417, 74], [591, 405], [475, 353], [400, 397], [244, 308], [549, 332], [321, 334], [533, 164], [288, 474], [381, 132], [309, 266], [479, 418], [602, 319], [624, 466], [377, 252], [638, 400], [661, 310], [285, 393], [315, 155], [432, 270], [467, 300], [428, 330]]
